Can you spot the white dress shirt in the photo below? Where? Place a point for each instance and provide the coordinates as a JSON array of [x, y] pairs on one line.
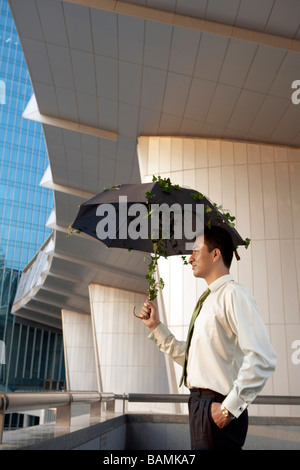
[[230, 351]]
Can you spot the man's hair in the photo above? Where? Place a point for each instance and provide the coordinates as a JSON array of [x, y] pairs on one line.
[[217, 237]]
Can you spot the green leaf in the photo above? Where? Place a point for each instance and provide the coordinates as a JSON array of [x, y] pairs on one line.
[[247, 240], [196, 195]]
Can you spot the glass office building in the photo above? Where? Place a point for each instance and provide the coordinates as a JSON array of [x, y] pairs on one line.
[[31, 356]]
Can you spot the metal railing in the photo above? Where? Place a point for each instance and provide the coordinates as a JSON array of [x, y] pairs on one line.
[[63, 401], [160, 398], [26, 401]]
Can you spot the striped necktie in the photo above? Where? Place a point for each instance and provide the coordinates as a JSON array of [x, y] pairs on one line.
[[191, 330]]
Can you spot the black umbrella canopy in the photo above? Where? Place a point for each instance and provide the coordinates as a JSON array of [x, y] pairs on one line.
[[112, 214]]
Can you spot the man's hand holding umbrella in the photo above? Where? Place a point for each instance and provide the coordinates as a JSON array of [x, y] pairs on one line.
[[149, 315]]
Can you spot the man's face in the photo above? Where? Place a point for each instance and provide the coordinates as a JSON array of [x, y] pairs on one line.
[[201, 259]]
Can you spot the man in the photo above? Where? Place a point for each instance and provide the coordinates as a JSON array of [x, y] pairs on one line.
[[229, 357]]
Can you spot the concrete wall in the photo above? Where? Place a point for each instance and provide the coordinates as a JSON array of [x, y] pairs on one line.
[[145, 432]]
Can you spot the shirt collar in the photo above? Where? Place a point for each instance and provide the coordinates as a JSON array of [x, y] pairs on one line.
[[220, 281]]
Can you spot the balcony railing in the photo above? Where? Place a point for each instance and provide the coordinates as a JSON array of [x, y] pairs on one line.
[[62, 401]]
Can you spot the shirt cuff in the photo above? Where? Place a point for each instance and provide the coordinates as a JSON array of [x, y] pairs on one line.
[[160, 333], [234, 404]]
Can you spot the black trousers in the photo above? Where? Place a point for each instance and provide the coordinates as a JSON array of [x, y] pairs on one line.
[[205, 434]]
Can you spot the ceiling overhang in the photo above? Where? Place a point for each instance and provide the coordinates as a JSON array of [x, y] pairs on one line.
[[186, 21]]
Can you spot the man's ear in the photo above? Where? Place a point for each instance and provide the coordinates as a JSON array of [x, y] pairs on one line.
[[216, 254]]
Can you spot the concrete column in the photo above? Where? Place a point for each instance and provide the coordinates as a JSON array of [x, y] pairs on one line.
[[79, 352]]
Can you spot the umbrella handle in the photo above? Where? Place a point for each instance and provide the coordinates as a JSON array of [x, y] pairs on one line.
[[137, 316]]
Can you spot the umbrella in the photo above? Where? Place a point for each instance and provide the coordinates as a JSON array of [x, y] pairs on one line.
[[132, 216], [157, 218]]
